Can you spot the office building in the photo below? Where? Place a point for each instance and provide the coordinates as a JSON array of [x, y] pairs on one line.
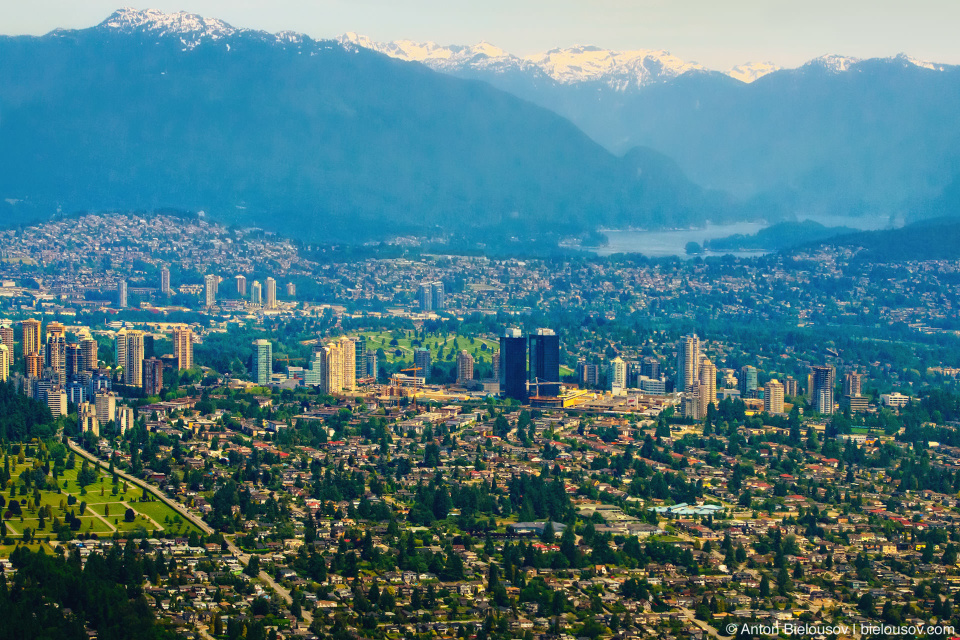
[[708, 384], [348, 362], [431, 296], [241, 282], [56, 357], [291, 290], [4, 362], [34, 365], [544, 370], [688, 362], [262, 361], [106, 407], [855, 404], [748, 381], [421, 360], [56, 330], [650, 368], [100, 382], [183, 347], [823, 401], [513, 365], [331, 368], [74, 360], [256, 293], [895, 399], [133, 371], [617, 375], [31, 336], [88, 350], [76, 392], [653, 386], [372, 368], [210, 285], [124, 418], [464, 366], [120, 350], [165, 281], [87, 419], [311, 376], [822, 382], [773, 397], [360, 356], [152, 376], [270, 295], [853, 384], [425, 296], [122, 294], [6, 334], [691, 406], [588, 374], [438, 298], [791, 387], [56, 399]]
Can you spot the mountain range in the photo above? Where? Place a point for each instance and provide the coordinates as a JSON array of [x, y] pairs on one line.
[[353, 139], [837, 136], [150, 110]]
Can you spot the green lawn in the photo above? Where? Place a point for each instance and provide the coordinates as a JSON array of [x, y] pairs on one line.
[[100, 501], [381, 340]]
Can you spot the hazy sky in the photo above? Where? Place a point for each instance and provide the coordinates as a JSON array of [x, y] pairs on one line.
[[717, 33]]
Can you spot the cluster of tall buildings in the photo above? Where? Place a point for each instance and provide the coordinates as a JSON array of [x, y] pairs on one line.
[[264, 294], [529, 364], [104, 408], [139, 369], [335, 366], [430, 296], [56, 372], [622, 375], [696, 378]]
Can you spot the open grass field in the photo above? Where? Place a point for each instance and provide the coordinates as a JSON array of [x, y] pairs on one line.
[[451, 343], [104, 510]]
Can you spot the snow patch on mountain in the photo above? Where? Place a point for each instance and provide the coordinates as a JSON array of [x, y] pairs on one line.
[[482, 56], [619, 69], [834, 63], [752, 71], [923, 64], [156, 21]]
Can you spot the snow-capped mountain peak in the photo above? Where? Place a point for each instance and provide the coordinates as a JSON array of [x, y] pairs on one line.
[[620, 69], [453, 58], [923, 64], [156, 21], [834, 63], [752, 71]]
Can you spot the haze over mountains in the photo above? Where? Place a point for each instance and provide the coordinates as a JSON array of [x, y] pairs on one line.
[[351, 139], [836, 136], [149, 110]]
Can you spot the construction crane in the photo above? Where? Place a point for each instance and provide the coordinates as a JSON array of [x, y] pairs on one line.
[[414, 369]]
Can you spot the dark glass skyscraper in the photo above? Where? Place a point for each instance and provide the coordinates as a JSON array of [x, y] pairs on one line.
[[513, 365], [545, 362]]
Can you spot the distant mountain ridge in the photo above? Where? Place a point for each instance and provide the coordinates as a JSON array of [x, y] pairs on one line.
[[150, 110], [621, 70]]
